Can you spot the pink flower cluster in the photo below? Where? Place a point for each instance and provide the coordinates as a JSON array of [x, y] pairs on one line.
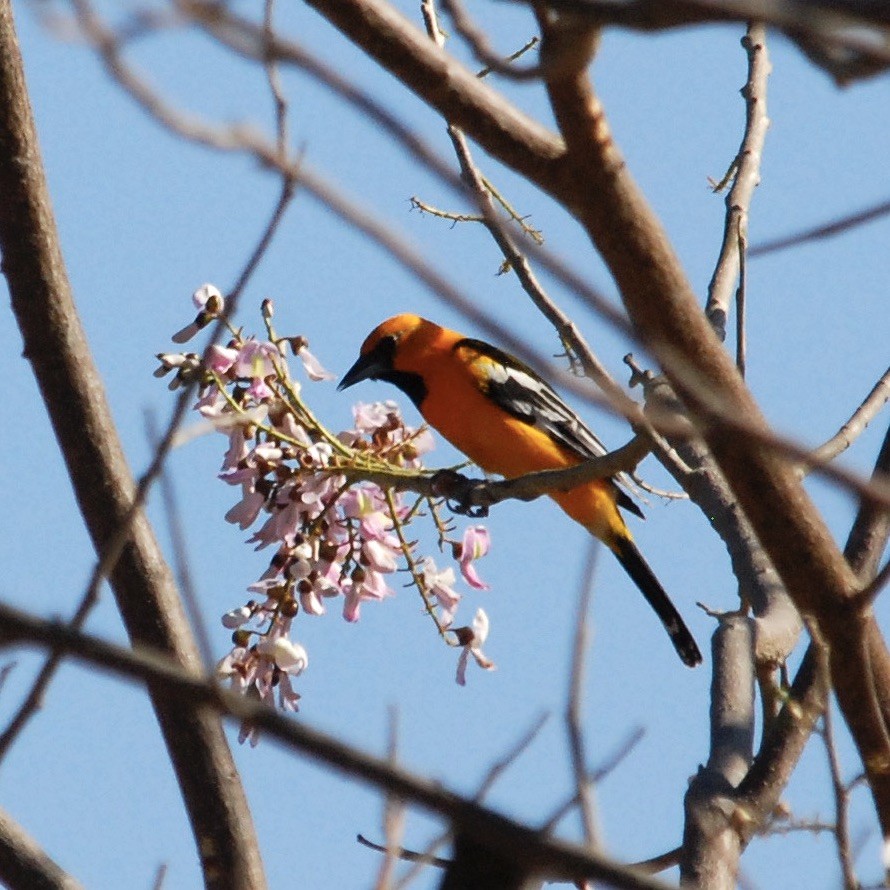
[[333, 540]]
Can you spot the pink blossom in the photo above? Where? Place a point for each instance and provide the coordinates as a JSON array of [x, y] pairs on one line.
[[285, 654], [422, 441], [212, 406], [475, 545], [259, 390], [268, 453], [237, 617], [312, 583], [287, 697], [244, 513], [271, 663], [472, 638], [365, 584], [210, 304], [370, 417], [362, 500], [320, 453], [186, 364], [221, 358], [439, 584], [236, 667], [208, 297], [313, 366], [381, 557], [237, 450], [283, 524], [256, 359]]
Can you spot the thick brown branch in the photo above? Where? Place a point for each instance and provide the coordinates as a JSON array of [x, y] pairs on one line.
[[24, 865], [784, 741], [664, 309], [711, 845], [190, 690], [443, 82], [55, 344]]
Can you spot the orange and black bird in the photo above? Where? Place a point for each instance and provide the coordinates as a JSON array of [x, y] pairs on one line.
[[506, 419]]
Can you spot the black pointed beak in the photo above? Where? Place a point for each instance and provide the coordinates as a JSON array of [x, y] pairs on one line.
[[370, 366]]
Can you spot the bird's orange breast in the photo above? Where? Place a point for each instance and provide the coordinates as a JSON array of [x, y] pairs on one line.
[[501, 443]]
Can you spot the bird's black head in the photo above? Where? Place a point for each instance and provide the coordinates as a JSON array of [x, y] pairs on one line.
[[380, 359]]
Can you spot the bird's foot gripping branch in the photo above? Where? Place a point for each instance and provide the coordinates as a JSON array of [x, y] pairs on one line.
[[337, 537]]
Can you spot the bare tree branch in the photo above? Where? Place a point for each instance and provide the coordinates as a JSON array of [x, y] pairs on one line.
[[746, 166], [841, 804], [493, 773], [69, 382], [574, 707], [181, 562], [859, 420], [663, 307], [478, 43], [24, 865], [850, 39], [785, 737], [711, 845], [826, 230], [189, 689]]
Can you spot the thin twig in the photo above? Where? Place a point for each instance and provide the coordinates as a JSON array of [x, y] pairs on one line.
[[160, 877], [518, 262], [493, 773], [273, 78], [798, 826], [662, 862], [606, 768], [531, 44], [404, 854], [741, 345], [481, 48], [826, 230], [841, 803], [393, 814], [745, 173], [450, 215], [574, 707], [859, 420], [181, 561]]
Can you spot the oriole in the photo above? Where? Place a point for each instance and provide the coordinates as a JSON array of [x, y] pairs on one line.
[[506, 419]]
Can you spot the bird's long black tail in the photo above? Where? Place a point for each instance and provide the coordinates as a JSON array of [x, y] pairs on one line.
[[633, 563]]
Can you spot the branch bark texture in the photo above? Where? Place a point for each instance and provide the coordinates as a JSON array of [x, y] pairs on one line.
[[56, 347], [24, 865]]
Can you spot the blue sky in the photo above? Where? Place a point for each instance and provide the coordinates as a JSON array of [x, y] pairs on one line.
[[145, 219]]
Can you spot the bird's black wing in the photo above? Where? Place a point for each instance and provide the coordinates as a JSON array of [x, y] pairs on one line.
[[516, 388]]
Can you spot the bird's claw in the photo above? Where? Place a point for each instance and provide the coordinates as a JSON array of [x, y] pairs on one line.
[[466, 497]]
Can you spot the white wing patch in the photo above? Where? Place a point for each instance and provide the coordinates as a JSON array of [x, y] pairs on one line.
[[528, 397], [518, 390]]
